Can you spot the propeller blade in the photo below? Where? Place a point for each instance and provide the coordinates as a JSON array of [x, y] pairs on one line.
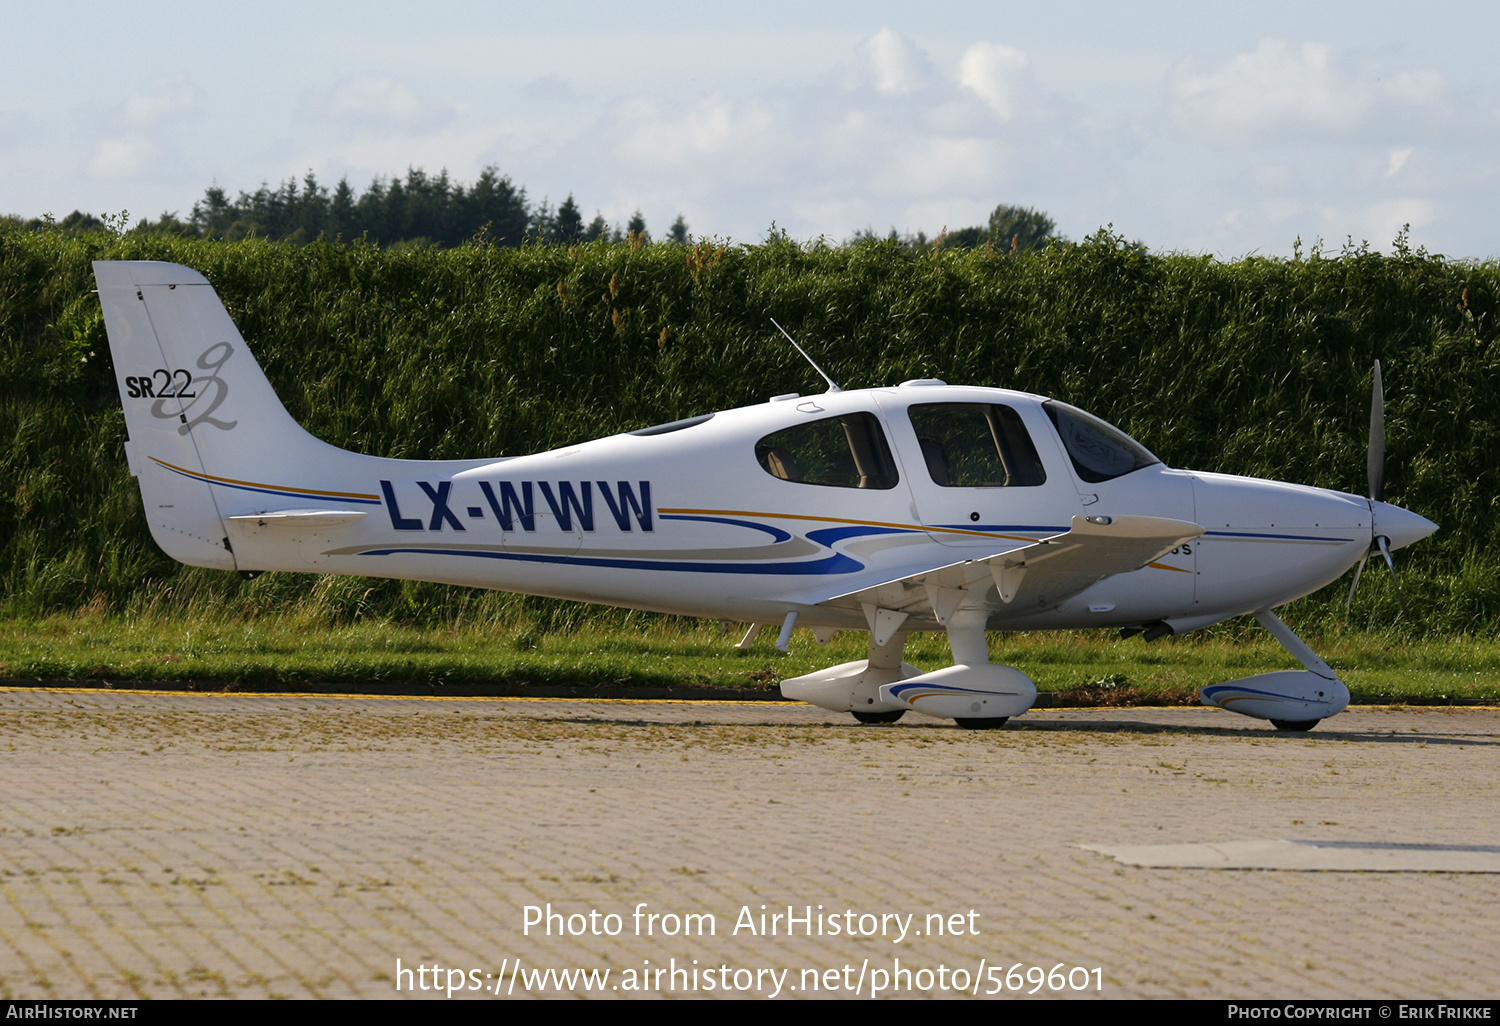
[[1375, 461], [1385, 550], [1359, 568]]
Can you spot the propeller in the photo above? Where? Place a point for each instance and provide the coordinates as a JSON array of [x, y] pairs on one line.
[[1375, 474], [1375, 461]]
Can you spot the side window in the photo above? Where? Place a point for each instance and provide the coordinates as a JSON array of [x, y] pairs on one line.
[[842, 452], [976, 445], [1099, 451]]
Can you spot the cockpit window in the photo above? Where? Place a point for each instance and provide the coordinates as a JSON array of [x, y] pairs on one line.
[[976, 445], [1099, 451], [842, 452]]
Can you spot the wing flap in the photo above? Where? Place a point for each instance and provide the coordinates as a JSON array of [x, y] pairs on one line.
[[1053, 569]]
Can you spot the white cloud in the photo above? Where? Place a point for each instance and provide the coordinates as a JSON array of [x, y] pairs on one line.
[[1382, 219], [550, 88], [939, 167], [919, 125], [996, 74], [895, 137], [1280, 91], [373, 101], [713, 134], [167, 100], [897, 65], [1274, 88], [130, 157], [1417, 87], [18, 127]]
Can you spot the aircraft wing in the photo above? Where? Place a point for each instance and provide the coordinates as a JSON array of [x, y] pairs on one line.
[[1035, 576]]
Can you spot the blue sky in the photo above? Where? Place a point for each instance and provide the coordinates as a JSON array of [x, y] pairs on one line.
[[1222, 128]]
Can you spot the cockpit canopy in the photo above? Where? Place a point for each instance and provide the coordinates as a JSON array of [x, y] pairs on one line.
[[963, 445]]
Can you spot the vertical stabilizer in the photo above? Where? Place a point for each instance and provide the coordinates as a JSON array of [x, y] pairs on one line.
[[201, 415]]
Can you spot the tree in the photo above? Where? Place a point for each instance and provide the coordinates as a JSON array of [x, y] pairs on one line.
[[567, 225], [213, 213], [637, 226], [598, 229], [167, 224], [341, 213], [310, 216], [543, 220], [966, 238], [1020, 228], [494, 201], [79, 221], [1011, 229], [679, 232]]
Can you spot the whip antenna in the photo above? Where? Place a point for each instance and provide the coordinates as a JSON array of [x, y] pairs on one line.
[[832, 385]]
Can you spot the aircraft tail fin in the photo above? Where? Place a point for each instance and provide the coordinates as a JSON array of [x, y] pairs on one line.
[[205, 425]]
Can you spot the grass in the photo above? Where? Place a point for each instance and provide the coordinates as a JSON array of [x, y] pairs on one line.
[[292, 652]]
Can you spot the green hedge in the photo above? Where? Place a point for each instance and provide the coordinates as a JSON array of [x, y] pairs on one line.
[[1258, 367]]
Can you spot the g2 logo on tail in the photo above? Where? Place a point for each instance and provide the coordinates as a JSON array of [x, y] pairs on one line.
[[199, 396]]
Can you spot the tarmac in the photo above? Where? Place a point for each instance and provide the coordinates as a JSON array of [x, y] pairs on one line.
[[159, 845]]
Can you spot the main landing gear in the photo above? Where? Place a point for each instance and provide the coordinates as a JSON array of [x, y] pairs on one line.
[[977, 694]]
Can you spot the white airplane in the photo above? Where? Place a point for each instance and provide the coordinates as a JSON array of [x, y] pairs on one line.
[[918, 507]]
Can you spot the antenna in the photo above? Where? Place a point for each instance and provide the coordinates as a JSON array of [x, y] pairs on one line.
[[832, 385]]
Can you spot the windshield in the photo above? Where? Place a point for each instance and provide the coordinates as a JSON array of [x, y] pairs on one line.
[[1099, 451]]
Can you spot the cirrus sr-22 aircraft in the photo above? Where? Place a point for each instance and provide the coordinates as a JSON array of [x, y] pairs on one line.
[[918, 507]]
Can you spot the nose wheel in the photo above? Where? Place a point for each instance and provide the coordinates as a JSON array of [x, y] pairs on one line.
[[1295, 726]]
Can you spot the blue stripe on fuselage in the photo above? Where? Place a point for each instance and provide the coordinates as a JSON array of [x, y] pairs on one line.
[[835, 563]]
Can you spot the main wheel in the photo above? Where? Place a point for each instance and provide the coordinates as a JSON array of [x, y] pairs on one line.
[[890, 716], [1299, 726], [981, 722]]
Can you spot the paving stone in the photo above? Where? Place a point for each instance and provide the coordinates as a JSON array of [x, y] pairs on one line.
[[165, 845]]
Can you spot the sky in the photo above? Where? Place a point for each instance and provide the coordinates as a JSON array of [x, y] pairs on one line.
[[1223, 128]]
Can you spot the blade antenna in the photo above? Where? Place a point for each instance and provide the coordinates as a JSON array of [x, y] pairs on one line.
[[832, 385]]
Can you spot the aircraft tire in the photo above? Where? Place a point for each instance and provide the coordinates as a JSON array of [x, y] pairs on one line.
[[981, 722], [889, 716], [1295, 726]]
